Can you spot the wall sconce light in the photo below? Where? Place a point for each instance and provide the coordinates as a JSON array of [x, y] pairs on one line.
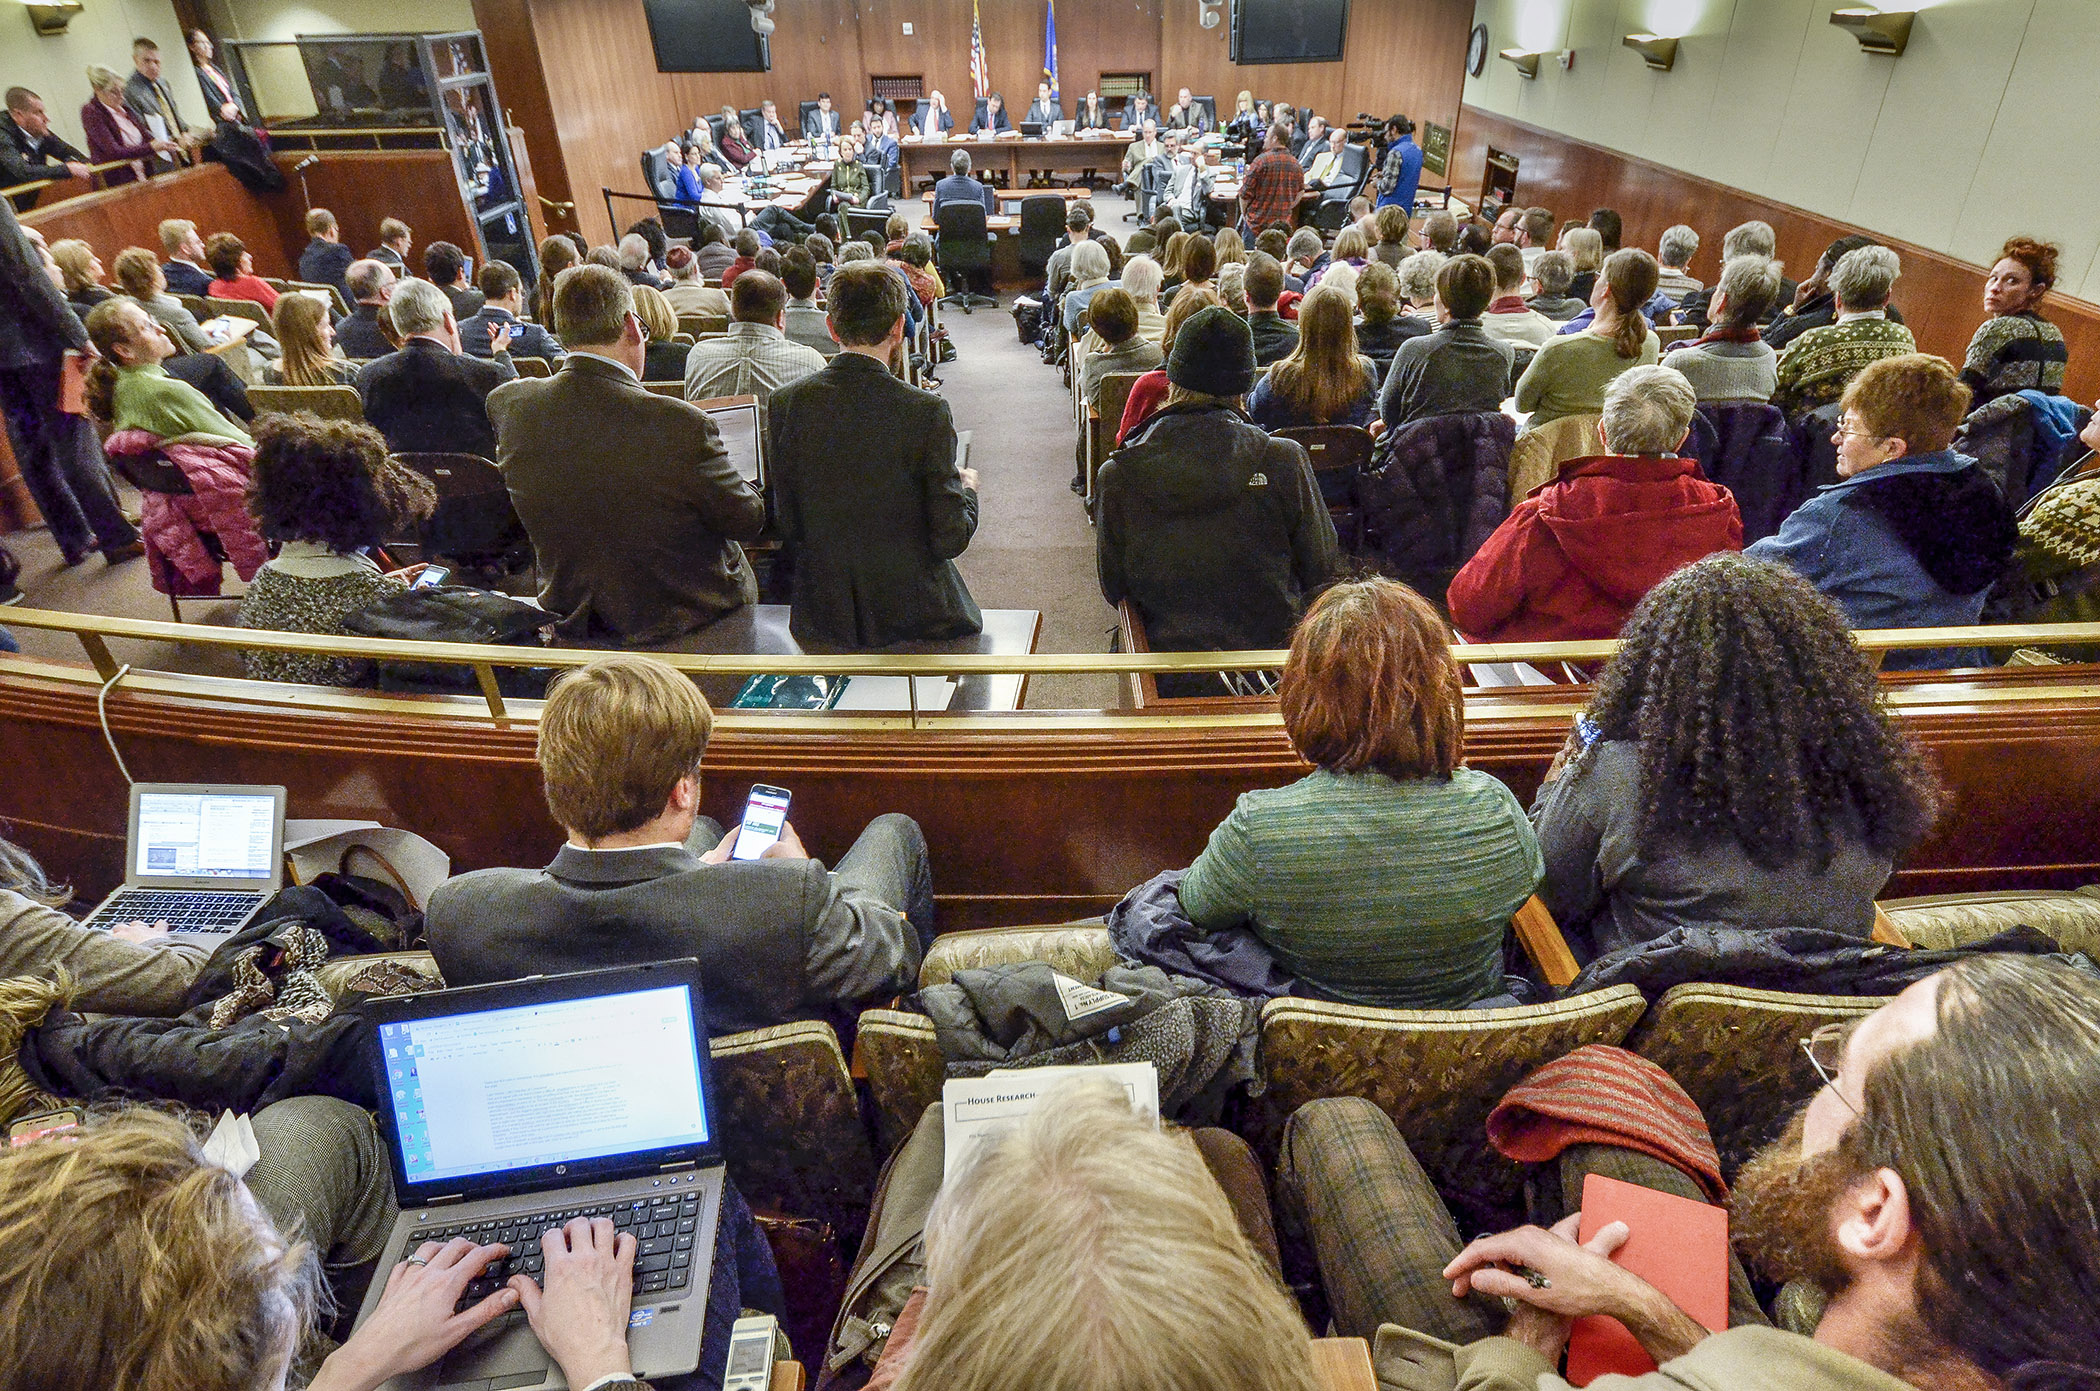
[[1878, 31], [1657, 52], [1527, 63], [52, 18]]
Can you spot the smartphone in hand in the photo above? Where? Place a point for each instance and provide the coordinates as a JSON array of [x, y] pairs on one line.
[[765, 812], [432, 577]]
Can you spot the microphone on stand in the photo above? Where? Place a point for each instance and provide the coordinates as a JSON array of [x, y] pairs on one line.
[[300, 169]]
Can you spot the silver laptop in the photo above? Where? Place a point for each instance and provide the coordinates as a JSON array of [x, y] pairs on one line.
[[511, 1109], [200, 857]]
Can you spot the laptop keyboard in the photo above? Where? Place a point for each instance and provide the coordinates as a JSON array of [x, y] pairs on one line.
[[183, 910], [664, 1229]]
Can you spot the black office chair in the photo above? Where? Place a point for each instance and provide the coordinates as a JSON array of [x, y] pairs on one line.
[[1210, 110], [860, 222], [1332, 210], [802, 115], [748, 117], [963, 248], [474, 524], [681, 224], [656, 171], [1042, 224], [717, 127]]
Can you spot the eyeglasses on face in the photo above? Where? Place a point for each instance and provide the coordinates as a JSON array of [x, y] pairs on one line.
[[1826, 1053]]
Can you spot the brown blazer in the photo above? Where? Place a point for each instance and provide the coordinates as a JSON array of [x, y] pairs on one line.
[[632, 505]]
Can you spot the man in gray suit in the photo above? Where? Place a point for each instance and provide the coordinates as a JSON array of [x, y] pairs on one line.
[[644, 877], [148, 96], [871, 507], [632, 504]]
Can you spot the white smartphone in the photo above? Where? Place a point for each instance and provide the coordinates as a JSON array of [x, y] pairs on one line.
[[764, 814]]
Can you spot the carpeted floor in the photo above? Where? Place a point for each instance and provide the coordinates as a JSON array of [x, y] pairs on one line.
[[1033, 548]]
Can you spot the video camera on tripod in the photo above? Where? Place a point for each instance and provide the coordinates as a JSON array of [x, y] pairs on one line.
[[1371, 130]]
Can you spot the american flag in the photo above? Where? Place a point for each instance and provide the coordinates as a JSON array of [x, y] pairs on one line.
[[980, 71]]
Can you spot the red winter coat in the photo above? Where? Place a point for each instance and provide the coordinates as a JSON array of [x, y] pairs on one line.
[[1571, 561]]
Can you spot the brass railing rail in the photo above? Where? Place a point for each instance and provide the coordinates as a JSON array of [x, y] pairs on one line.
[[94, 632]]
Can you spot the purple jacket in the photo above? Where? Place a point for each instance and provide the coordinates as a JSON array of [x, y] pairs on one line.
[[1746, 447], [1437, 490]]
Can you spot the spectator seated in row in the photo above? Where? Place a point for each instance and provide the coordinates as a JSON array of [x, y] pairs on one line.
[[664, 360], [1199, 268], [1571, 561], [1673, 254], [1112, 317], [642, 876], [1057, 271], [1816, 365], [638, 261], [1730, 362], [328, 493], [1509, 319], [185, 267], [1383, 328], [306, 346], [395, 237], [1141, 281], [1645, 823], [1388, 875], [325, 258], [756, 357], [502, 292], [1149, 392], [1569, 374], [1812, 304], [870, 503], [140, 276], [712, 253], [1418, 275], [1946, 1142], [2055, 574], [747, 245], [1744, 239], [689, 292], [2016, 349], [1089, 273], [233, 272], [1390, 243], [1275, 338], [803, 320], [1324, 380], [130, 968], [1912, 535], [129, 388], [1213, 530], [80, 274], [1458, 368], [362, 334], [429, 397], [1554, 272], [633, 506]]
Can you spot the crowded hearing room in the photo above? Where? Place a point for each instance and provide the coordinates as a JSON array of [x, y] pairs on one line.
[[1050, 695]]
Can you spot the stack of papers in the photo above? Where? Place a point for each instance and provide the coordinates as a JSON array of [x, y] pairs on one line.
[[973, 1108]]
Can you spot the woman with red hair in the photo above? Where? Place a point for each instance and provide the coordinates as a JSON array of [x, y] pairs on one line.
[[1388, 875], [2017, 349]]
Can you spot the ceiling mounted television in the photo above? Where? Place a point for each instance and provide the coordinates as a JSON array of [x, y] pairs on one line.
[[706, 36], [1289, 31]]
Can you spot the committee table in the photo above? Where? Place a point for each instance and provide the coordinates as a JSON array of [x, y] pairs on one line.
[[1016, 159]]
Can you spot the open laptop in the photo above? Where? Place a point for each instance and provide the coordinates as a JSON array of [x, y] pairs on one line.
[[511, 1109], [202, 857]]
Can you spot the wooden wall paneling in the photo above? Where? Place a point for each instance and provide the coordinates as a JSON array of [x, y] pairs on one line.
[[1200, 59], [1941, 298], [421, 187], [513, 51], [1408, 58], [112, 219], [1023, 826], [1102, 37]]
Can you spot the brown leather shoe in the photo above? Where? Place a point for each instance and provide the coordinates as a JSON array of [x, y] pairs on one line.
[[117, 555]]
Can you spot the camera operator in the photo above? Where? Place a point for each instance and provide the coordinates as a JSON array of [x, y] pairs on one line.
[[1400, 166]]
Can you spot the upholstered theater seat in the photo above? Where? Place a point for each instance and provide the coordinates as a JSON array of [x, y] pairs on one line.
[[1078, 949], [2072, 917]]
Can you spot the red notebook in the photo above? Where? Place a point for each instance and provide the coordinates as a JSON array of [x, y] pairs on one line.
[[1678, 1245]]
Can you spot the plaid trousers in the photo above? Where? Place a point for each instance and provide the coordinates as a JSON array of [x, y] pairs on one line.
[[1382, 1236]]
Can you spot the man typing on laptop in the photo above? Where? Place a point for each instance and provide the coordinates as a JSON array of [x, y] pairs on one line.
[[644, 877]]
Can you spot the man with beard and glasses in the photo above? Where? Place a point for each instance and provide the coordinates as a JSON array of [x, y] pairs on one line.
[[1939, 1189]]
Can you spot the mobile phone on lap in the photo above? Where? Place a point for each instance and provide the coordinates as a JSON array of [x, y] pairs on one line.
[[765, 813]]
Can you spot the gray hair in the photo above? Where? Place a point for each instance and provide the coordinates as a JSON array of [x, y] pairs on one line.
[[1340, 277], [1305, 245], [855, 250], [959, 162], [1555, 272], [1750, 239], [1677, 246], [1089, 262], [1232, 287], [1418, 275], [1142, 277], [365, 279], [1647, 410], [634, 251], [1862, 278], [1751, 286], [710, 171], [417, 307]]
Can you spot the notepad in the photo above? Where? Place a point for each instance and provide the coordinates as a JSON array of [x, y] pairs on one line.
[[973, 1107], [1679, 1245]]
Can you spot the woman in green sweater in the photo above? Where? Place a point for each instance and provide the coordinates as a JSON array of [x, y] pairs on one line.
[[128, 387], [1388, 876], [1568, 376]]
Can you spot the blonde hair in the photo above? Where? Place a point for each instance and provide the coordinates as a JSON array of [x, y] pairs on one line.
[[1351, 245], [130, 1263], [74, 257], [1084, 1246], [656, 313], [1323, 376], [615, 738], [297, 320], [1231, 250], [104, 79]]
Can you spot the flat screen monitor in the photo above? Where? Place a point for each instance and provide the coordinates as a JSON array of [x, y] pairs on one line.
[[706, 36], [1289, 31]]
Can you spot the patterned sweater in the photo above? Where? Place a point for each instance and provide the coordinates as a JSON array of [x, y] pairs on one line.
[[308, 590], [2015, 352], [1815, 368]]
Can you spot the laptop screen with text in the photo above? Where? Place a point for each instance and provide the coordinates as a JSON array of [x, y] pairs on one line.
[[219, 836], [534, 1085]]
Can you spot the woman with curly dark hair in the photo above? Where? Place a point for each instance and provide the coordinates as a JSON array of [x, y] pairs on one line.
[[330, 493], [1734, 769]]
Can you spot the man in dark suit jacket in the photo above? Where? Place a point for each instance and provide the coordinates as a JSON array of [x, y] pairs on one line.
[[58, 454], [368, 285], [430, 398], [503, 295], [991, 116], [1044, 109], [959, 187], [392, 251], [869, 503], [148, 95], [822, 122], [30, 151], [633, 506], [770, 134], [445, 266], [933, 117], [326, 258], [643, 877]]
